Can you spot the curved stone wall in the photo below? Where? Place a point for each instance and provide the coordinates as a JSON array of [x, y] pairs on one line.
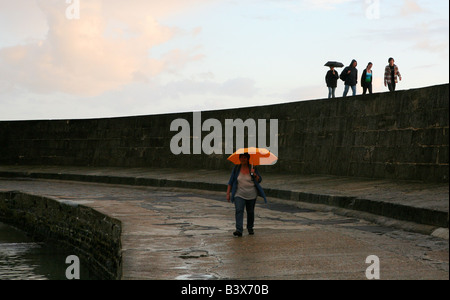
[[95, 237], [401, 135]]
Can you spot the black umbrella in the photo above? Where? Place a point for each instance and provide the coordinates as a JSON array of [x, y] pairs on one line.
[[334, 64]]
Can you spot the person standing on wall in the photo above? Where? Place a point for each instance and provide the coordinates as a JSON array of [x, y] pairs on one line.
[[331, 79], [391, 75], [367, 78], [350, 76]]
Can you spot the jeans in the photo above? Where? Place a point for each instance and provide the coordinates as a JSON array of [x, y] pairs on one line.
[[367, 86], [331, 91], [240, 205], [391, 86], [347, 87]]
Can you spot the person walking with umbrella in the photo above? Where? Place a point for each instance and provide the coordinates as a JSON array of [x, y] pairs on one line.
[[332, 77], [243, 189]]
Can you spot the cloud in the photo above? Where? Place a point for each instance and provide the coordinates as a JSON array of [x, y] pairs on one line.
[[106, 48], [236, 87], [429, 36], [410, 7], [176, 59], [297, 6], [12, 16], [433, 37], [324, 4]]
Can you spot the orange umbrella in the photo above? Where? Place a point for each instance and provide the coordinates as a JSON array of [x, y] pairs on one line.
[[258, 156]]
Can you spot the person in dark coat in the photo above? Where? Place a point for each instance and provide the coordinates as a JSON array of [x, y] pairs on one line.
[[351, 77], [366, 79], [331, 79]]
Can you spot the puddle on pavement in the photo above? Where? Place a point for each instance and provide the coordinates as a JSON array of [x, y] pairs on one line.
[[196, 277], [194, 254]]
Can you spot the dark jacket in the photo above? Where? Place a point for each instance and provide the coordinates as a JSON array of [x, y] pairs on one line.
[[352, 78], [331, 79], [363, 79], [234, 183]]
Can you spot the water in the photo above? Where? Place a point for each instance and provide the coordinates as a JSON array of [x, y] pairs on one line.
[[22, 258]]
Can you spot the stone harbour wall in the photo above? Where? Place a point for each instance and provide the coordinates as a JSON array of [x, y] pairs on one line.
[[95, 237], [402, 135]]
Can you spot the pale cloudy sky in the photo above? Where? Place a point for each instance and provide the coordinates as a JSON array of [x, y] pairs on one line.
[[141, 57]]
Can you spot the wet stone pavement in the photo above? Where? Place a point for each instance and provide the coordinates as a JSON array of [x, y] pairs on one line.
[[187, 234]]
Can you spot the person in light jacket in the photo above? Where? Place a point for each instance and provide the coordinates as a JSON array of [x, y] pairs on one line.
[[243, 189], [391, 75]]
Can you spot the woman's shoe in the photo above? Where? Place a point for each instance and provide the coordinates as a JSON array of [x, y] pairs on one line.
[[237, 233], [251, 232]]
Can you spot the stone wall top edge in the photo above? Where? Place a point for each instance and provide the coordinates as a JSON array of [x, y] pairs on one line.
[[224, 111]]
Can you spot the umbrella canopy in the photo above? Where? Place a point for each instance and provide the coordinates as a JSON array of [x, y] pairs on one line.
[[335, 64], [258, 156]]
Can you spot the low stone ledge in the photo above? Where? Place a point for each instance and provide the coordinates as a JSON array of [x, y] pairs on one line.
[[95, 237], [385, 209]]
